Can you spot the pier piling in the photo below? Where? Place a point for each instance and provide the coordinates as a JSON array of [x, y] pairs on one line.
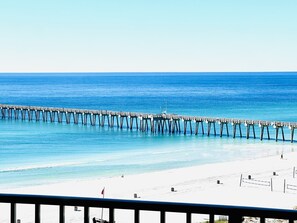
[[209, 123], [198, 122], [222, 124], [264, 125], [277, 127], [235, 124]]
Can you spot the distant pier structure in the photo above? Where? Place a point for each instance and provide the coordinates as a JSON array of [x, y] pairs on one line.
[[154, 123]]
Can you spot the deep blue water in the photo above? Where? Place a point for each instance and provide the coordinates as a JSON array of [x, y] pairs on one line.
[[32, 153]]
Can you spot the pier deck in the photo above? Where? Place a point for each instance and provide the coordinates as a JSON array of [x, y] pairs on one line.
[[155, 123]]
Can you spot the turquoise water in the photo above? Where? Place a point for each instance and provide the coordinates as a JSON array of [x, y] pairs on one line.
[[39, 153]]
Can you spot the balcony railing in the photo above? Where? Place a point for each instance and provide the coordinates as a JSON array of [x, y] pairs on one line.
[[234, 213]]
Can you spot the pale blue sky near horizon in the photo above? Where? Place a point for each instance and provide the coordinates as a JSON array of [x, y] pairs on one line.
[[148, 35]]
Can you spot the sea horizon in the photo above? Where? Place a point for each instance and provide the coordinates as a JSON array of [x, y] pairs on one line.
[[145, 73]]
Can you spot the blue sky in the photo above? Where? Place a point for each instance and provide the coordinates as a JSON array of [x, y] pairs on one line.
[[148, 35]]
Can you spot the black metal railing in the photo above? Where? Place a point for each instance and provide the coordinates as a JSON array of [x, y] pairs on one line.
[[234, 213]]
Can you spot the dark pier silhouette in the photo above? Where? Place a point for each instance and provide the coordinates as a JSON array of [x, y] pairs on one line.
[[154, 123]]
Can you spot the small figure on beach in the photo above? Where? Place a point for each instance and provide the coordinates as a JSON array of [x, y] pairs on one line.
[[76, 208], [96, 220]]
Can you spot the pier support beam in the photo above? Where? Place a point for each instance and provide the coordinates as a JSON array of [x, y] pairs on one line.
[[99, 119], [175, 126], [108, 120], [92, 119], [60, 116], [264, 126], [209, 123], [9, 113], [30, 114], [23, 114], [198, 122], [118, 123], [79, 116], [222, 128], [131, 122], [248, 127], [112, 118], [122, 119], [102, 122], [292, 128], [67, 117], [277, 131], [75, 118], [44, 116], [145, 124], [16, 113], [163, 125], [186, 122], [132, 118], [37, 115], [85, 118], [3, 113], [235, 124], [52, 116]]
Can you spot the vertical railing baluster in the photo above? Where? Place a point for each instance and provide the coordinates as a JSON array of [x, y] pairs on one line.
[[62, 214], [235, 218], [291, 220], [189, 217], [13, 213], [162, 217], [262, 220], [37, 213], [111, 215], [211, 218], [136, 216], [86, 214]]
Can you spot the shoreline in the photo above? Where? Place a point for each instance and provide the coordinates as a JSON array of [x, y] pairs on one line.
[[196, 184]]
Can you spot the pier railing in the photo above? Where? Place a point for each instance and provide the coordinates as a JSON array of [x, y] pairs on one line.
[[155, 123], [234, 214]]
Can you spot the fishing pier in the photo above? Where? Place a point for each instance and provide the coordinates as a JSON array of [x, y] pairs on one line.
[[154, 123]]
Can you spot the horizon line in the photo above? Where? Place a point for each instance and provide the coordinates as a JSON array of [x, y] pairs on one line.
[[144, 72]]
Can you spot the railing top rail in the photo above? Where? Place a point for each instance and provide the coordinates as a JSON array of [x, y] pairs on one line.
[[149, 205]]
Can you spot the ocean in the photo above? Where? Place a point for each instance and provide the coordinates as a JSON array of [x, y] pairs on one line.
[[34, 153]]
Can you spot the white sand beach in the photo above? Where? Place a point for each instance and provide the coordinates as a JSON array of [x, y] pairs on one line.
[[196, 184]]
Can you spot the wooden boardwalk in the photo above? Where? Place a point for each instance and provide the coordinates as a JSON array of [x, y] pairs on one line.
[[155, 123]]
